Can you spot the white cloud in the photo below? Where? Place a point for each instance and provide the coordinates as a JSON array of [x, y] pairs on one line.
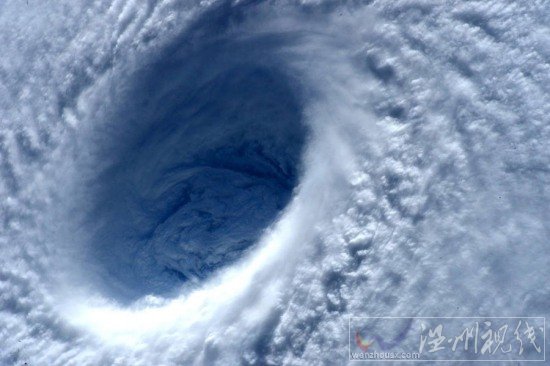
[[423, 191]]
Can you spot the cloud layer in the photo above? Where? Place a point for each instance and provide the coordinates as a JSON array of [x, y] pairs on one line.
[[361, 159]]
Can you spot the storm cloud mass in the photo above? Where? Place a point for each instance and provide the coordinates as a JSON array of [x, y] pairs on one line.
[[226, 183]]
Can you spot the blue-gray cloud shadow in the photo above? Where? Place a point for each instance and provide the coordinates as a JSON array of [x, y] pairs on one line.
[[203, 152]]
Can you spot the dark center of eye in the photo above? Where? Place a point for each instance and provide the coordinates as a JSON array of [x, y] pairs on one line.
[[210, 172]]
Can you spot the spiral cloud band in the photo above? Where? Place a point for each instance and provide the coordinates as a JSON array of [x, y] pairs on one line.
[[228, 182]]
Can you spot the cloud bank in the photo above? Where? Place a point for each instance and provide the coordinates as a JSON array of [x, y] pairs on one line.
[[220, 183]]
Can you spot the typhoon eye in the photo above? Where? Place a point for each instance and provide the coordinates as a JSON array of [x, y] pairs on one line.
[[200, 157]]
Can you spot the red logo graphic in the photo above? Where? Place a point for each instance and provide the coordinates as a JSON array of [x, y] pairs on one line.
[[362, 343]]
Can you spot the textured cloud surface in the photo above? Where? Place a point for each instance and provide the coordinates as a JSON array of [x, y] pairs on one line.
[[221, 183]]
